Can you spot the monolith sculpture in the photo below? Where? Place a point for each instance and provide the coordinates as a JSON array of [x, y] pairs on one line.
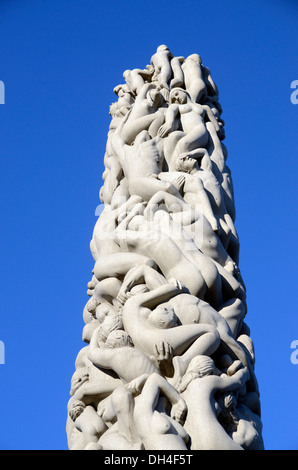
[[168, 361]]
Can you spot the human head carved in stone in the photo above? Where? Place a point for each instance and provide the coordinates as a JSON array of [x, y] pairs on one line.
[[185, 163], [163, 317], [118, 339], [179, 95], [77, 409], [202, 366], [110, 323], [103, 310], [196, 58], [162, 47]]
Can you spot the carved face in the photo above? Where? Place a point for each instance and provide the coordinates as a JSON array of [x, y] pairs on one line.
[[179, 96], [185, 163], [163, 317]]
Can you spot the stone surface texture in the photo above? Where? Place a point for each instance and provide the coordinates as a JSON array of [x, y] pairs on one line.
[[169, 360]]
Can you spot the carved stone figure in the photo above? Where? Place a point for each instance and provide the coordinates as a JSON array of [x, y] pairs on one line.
[[169, 359]]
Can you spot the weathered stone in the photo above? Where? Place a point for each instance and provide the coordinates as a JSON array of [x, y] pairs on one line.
[[169, 362]]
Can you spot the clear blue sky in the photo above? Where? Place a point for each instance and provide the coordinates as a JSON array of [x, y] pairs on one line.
[[60, 60]]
